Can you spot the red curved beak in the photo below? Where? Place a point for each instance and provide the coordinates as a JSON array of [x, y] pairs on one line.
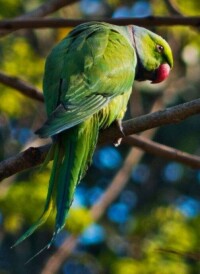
[[162, 73]]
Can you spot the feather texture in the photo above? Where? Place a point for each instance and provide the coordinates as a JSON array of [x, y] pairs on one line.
[[87, 84]]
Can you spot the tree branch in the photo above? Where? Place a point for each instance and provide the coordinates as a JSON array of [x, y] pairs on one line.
[[25, 23], [31, 157], [47, 8], [43, 10], [172, 115], [22, 86], [35, 156]]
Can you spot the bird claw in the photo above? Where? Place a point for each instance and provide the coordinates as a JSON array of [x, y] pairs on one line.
[[119, 140], [119, 124]]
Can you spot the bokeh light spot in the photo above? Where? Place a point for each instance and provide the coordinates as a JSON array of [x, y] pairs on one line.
[[107, 158], [173, 172], [118, 213], [94, 234]]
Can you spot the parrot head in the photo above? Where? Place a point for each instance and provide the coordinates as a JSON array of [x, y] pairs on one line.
[[154, 55]]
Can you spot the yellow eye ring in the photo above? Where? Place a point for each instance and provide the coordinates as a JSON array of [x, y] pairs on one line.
[[159, 48]]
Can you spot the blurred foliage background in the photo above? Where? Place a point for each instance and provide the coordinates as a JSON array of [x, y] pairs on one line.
[[153, 227]]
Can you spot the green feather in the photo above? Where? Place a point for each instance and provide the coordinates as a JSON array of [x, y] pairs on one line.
[[58, 155], [79, 144], [87, 84], [88, 75]]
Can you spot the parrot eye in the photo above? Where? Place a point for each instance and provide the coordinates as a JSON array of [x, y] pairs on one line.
[[159, 48]]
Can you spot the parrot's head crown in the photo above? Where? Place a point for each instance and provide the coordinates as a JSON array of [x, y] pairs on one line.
[[154, 55]]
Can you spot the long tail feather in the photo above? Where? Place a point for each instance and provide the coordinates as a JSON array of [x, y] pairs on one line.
[[49, 200], [48, 158], [79, 143], [75, 147], [38, 253], [73, 150], [30, 231]]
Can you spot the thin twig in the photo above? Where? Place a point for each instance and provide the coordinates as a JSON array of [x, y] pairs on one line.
[[163, 151], [60, 255], [172, 8], [194, 256], [22, 86], [35, 156], [15, 24]]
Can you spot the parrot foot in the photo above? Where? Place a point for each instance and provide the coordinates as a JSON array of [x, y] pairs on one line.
[[118, 141]]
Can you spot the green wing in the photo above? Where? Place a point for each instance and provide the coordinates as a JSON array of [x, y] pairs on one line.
[[92, 65]]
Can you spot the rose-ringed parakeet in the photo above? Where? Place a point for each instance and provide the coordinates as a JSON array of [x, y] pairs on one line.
[[87, 84]]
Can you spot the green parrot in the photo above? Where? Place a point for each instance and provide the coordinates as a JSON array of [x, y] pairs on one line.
[[87, 83]]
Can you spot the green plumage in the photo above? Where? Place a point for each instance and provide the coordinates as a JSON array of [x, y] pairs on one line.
[[87, 84]]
